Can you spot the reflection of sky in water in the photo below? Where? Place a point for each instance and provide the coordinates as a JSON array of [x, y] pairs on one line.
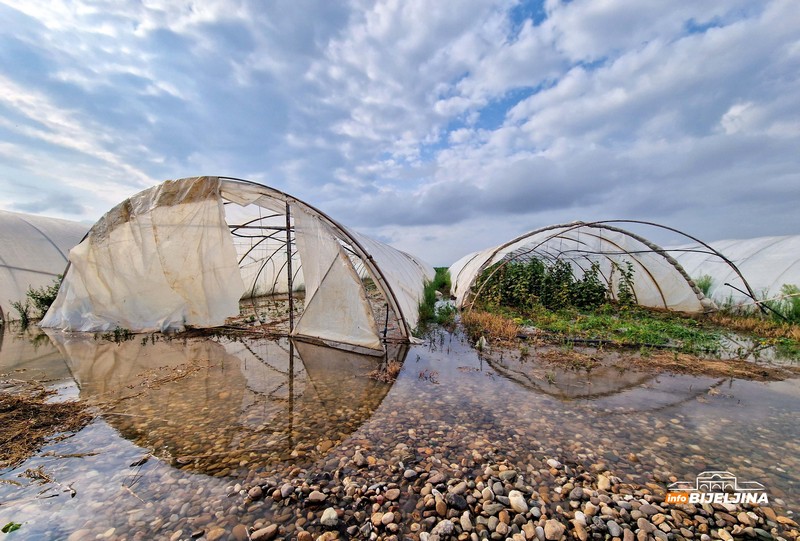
[[236, 411]]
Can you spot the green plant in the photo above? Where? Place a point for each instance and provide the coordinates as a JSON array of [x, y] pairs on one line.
[[428, 312], [11, 527], [24, 311], [787, 306], [525, 284], [704, 284], [118, 335], [44, 296], [590, 291], [625, 293], [445, 314]]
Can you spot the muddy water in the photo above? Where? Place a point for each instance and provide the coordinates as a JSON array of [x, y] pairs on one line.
[[181, 423]]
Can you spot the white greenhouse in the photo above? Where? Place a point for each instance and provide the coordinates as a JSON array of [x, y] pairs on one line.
[[758, 266], [33, 252], [660, 282], [183, 254]]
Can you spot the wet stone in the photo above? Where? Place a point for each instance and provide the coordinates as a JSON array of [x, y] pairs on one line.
[[329, 518], [239, 532], [553, 530], [443, 528], [613, 528], [517, 501], [576, 493], [459, 488], [456, 501], [508, 475], [265, 534], [492, 508]]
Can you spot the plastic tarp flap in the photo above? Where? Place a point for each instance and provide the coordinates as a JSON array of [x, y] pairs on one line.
[[33, 251], [406, 275], [336, 306], [131, 270]]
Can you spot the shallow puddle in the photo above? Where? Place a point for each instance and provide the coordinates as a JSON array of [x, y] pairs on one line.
[[181, 423]]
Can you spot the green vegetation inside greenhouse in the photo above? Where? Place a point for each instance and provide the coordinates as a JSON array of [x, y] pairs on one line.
[[550, 300]]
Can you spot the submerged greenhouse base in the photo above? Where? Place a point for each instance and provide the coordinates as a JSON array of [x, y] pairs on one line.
[[166, 258]]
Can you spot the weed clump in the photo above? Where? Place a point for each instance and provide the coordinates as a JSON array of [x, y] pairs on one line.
[[44, 296], [429, 312], [787, 305]]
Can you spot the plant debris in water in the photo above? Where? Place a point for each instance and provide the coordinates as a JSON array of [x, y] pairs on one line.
[[28, 421], [387, 374]]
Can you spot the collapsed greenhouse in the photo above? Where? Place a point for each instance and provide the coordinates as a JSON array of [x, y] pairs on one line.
[[660, 281], [33, 252], [185, 252]]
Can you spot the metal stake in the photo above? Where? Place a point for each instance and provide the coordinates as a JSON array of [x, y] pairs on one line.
[[289, 266]]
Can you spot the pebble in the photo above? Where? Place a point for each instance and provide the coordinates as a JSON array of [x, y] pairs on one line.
[[329, 518], [465, 522], [215, 533], [444, 528], [493, 508], [459, 488], [580, 531], [648, 509], [553, 530], [239, 532], [265, 534], [613, 528], [517, 501]]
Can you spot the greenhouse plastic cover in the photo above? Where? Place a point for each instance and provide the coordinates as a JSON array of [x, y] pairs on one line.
[[767, 263], [33, 251], [166, 258], [657, 281], [161, 260]]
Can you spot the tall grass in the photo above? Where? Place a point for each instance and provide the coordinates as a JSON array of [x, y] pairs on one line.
[[704, 283], [787, 305], [427, 307]]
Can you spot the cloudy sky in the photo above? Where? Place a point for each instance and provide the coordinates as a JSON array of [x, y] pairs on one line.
[[441, 127]]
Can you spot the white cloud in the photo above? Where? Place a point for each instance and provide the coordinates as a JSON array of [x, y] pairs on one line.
[[420, 121]]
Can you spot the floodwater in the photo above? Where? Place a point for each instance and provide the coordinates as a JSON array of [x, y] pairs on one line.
[[183, 424]]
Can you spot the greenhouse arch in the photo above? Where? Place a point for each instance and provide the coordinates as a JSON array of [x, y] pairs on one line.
[[33, 252], [660, 281], [768, 263], [185, 252]]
